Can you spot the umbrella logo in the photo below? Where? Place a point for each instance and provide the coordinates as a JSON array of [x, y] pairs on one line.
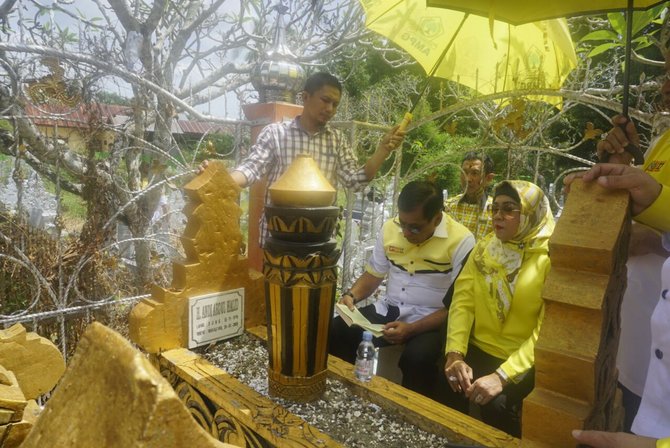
[[420, 40], [431, 27]]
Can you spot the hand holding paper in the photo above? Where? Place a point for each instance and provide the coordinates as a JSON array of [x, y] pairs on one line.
[[356, 318]]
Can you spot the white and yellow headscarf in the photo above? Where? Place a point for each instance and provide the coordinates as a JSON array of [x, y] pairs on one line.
[[500, 262]]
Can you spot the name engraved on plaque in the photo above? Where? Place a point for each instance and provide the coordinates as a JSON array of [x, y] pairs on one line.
[[215, 316]]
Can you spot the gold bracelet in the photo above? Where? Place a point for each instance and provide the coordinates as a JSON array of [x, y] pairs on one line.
[[456, 352]]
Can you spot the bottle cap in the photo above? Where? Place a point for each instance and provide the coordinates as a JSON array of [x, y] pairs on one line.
[[367, 335]]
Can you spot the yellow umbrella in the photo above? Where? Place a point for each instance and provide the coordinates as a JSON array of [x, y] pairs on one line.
[[487, 57], [518, 12], [524, 11]]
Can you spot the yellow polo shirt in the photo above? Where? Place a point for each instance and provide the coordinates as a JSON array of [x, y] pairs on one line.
[[473, 321], [657, 164]]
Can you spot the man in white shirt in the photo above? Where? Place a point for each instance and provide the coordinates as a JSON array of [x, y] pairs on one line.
[[420, 253]]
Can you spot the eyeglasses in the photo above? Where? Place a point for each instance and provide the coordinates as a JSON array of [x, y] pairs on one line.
[[507, 210], [414, 229]]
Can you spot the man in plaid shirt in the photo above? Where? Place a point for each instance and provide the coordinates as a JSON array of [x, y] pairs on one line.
[[309, 133], [472, 208]]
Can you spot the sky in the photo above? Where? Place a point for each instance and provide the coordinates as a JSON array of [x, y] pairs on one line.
[[227, 106]]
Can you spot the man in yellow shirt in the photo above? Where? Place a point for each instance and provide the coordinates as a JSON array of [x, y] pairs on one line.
[[472, 208]]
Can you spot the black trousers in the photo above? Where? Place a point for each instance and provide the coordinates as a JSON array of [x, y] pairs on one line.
[[418, 361], [504, 411]]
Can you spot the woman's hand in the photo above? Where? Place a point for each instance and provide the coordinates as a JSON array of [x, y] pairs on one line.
[[485, 389], [458, 373]]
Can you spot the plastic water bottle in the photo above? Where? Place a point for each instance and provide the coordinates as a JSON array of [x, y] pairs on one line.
[[365, 358]]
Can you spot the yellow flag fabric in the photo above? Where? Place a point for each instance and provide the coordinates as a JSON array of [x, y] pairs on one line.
[[523, 11], [487, 56]]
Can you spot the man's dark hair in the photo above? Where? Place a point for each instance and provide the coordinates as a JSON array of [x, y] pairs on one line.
[[420, 193], [318, 80], [486, 160]]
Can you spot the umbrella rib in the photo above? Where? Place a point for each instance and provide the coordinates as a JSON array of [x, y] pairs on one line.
[[509, 44], [439, 61], [379, 16], [626, 68], [448, 47]]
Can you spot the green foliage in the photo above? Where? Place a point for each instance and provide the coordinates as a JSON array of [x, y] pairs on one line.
[[601, 35], [112, 98], [73, 207], [361, 76], [440, 161], [223, 144], [603, 48], [61, 36], [216, 145], [378, 93], [646, 22], [101, 155]]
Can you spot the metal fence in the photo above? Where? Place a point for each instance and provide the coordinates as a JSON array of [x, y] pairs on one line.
[[63, 265]]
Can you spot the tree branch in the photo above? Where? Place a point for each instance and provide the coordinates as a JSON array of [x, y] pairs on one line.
[[125, 15], [5, 9], [49, 172]]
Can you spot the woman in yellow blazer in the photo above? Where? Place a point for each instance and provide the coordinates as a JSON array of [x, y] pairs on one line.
[[497, 309]]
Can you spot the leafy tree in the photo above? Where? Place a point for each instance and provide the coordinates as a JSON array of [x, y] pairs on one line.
[[112, 98]]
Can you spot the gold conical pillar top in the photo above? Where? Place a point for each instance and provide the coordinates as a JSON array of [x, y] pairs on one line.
[[302, 185]]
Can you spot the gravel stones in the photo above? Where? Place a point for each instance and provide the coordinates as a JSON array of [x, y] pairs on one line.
[[346, 417]]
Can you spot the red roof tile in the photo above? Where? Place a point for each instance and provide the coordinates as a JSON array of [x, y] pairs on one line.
[[78, 117], [203, 127]]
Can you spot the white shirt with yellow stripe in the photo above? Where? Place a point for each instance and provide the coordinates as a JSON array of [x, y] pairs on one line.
[[419, 275]]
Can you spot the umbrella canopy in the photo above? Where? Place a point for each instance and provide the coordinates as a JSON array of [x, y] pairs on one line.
[[469, 49], [524, 11], [517, 12]]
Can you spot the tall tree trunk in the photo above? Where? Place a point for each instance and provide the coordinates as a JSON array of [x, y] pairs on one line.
[[101, 206]]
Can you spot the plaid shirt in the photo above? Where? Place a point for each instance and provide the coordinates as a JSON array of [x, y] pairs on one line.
[[476, 217], [279, 143]]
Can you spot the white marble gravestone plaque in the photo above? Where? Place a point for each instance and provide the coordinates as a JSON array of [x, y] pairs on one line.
[[216, 316]]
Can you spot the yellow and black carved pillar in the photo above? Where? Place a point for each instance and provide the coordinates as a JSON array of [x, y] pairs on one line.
[[299, 264], [300, 295]]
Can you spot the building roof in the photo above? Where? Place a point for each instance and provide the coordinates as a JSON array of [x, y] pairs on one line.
[[203, 127], [113, 115], [73, 117]]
